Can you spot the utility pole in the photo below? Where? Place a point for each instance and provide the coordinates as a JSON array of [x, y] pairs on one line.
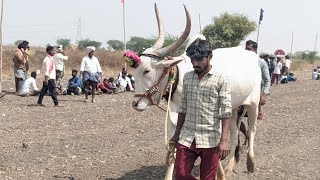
[[1, 94], [79, 34]]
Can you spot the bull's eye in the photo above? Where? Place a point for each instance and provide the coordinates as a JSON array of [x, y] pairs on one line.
[[146, 71]]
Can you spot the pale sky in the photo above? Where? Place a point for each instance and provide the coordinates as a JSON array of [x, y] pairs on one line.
[[43, 21]]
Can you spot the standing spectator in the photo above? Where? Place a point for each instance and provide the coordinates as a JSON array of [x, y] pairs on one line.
[[29, 87], [265, 76], [59, 59], [19, 60], [277, 71], [49, 79], [287, 64], [74, 85], [198, 132], [91, 72]]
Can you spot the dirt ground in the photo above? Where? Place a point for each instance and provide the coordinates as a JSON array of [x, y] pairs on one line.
[[110, 140]]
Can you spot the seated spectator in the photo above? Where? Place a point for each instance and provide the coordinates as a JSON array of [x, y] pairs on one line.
[[132, 80], [60, 90], [284, 78], [103, 87], [110, 85], [291, 77], [29, 87], [124, 83], [75, 83], [315, 75]]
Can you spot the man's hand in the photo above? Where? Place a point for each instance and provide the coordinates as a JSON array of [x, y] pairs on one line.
[[45, 82], [175, 137], [223, 149]]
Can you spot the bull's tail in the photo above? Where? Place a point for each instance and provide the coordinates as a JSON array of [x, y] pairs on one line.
[[237, 151]]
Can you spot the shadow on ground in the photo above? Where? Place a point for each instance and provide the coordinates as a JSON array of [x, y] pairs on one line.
[[148, 173]]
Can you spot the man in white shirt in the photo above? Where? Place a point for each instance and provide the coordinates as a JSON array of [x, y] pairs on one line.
[[287, 64], [50, 76], [29, 87], [124, 83], [59, 59], [91, 72]]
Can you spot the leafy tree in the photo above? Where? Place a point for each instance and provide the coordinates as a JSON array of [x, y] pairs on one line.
[[306, 55], [83, 44], [17, 42], [115, 45], [228, 30], [64, 42], [137, 44]]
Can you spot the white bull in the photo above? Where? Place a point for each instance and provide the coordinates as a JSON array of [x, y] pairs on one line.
[[237, 63]]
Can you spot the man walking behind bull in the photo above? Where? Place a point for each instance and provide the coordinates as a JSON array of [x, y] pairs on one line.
[[205, 102]]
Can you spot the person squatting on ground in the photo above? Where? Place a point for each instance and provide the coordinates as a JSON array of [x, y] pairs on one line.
[[19, 60], [205, 102], [74, 85], [29, 87], [50, 76], [265, 84], [124, 83], [91, 72]]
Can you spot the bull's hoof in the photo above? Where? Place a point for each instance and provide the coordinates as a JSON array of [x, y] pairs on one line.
[[250, 164], [221, 177]]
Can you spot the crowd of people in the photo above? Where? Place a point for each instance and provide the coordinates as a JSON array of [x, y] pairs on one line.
[[279, 68], [88, 82]]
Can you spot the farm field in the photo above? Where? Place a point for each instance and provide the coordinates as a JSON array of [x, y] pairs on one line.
[[110, 140]]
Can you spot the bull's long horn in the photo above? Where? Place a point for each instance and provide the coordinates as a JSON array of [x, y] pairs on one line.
[[160, 40], [172, 47]]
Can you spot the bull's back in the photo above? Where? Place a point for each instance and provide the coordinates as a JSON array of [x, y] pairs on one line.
[[241, 66]]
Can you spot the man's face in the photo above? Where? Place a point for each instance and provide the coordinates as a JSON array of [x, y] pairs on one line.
[[52, 52], [199, 65], [250, 48], [91, 54], [74, 73]]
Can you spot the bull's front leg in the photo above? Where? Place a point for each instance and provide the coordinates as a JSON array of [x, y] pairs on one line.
[[169, 172], [252, 118]]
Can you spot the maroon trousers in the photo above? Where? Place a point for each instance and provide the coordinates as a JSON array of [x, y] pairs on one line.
[[186, 157], [275, 78]]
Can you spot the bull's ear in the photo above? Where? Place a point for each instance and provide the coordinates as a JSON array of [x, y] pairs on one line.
[[168, 63]]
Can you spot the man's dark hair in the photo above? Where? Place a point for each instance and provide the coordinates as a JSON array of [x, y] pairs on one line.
[[199, 49], [49, 48], [252, 44], [111, 79], [33, 74], [23, 44], [74, 71], [287, 57]]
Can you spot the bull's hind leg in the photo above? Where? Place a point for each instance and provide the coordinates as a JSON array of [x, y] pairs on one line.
[[234, 142], [252, 118]]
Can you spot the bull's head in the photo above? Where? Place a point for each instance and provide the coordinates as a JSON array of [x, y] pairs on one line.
[[150, 76]]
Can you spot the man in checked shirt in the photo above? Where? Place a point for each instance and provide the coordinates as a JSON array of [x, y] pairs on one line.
[[198, 132]]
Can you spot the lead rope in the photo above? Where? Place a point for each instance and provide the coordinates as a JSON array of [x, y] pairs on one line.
[[170, 146]]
